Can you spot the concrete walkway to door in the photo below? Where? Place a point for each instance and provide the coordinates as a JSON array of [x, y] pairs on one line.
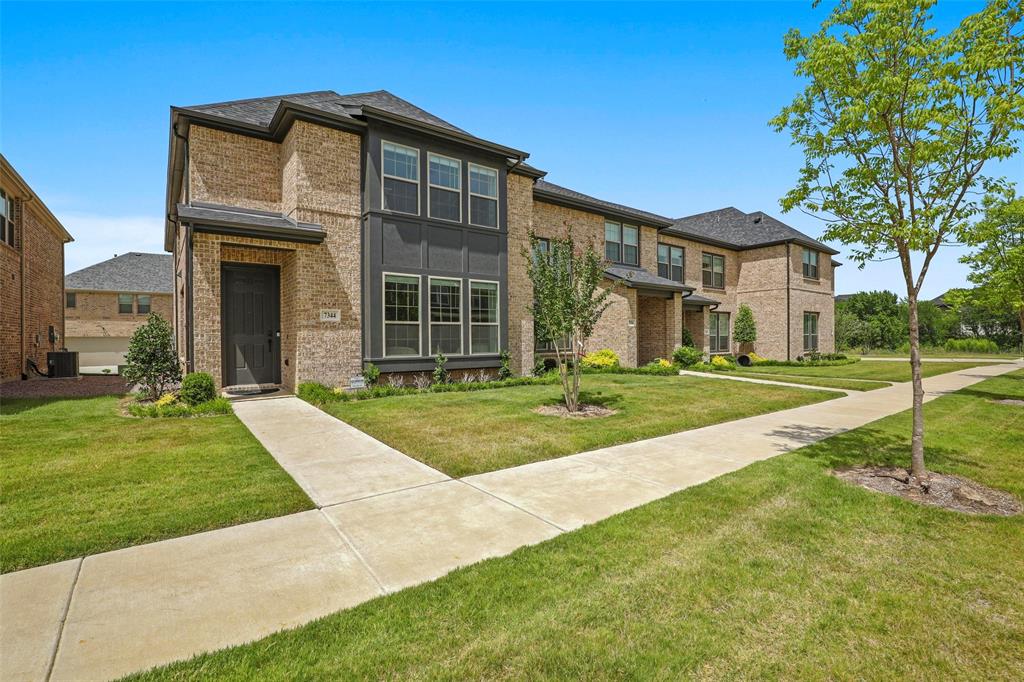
[[386, 522]]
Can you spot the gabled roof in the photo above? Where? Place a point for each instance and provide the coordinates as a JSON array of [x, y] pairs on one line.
[[732, 227], [131, 272], [549, 191]]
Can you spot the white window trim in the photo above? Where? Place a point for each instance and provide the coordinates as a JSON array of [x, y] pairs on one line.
[[399, 179], [430, 324], [442, 187], [469, 308], [383, 317], [496, 199]]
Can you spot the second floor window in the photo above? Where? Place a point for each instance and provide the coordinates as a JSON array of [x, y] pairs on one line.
[[143, 304], [401, 178], [622, 243], [6, 218], [125, 303], [670, 262], [810, 264], [712, 268], [483, 196], [70, 300], [445, 187]]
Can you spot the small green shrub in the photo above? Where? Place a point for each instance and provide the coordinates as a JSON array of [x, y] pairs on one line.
[[371, 374], [722, 362], [317, 394], [441, 375], [151, 360], [505, 371], [180, 408], [971, 346], [197, 388], [600, 359], [687, 340], [687, 356], [540, 367]]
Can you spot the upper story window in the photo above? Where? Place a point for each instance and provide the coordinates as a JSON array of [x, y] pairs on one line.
[[401, 178], [712, 267], [6, 218], [810, 263], [125, 303], [444, 198], [70, 299], [142, 305], [621, 243], [670, 262], [483, 196]]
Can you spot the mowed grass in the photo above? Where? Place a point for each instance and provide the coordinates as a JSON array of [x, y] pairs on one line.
[[824, 382], [470, 433], [78, 478], [777, 571], [879, 370]]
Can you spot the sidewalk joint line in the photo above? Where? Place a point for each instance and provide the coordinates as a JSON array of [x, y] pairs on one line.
[[382, 493], [63, 620], [514, 505], [345, 538]]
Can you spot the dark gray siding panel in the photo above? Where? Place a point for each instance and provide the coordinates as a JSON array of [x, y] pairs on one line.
[[444, 249], [485, 254], [401, 245]]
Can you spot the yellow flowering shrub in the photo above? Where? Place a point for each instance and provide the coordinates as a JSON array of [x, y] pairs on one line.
[[600, 359]]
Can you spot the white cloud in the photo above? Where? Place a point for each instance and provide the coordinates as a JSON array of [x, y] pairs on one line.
[[99, 237]]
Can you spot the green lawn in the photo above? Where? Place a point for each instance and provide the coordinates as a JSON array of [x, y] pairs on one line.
[[777, 571], [78, 478], [826, 382], [927, 353], [865, 369], [470, 433]]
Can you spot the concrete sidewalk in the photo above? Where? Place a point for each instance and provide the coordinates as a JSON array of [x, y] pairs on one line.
[[386, 522]]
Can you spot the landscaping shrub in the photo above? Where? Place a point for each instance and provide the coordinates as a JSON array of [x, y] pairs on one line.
[[177, 408], [828, 360], [687, 356], [316, 393], [505, 371], [371, 374], [755, 358], [971, 346], [600, 359], [687, 341], [540, 367], [441, 375], [722, 362], [152, 362], [197, 388]]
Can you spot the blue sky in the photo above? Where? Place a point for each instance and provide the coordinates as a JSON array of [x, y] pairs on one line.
[[660, 106]]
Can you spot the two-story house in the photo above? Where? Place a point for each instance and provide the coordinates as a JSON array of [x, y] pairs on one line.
[[105, 303], [315, 233]]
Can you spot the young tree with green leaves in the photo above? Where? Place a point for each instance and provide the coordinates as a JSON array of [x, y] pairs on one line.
[[568, 300], [897, 122], [744, 330], [151, 360]]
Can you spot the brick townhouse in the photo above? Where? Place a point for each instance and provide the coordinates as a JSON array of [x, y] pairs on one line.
[[105, 303], [31, 277], [315, 233]]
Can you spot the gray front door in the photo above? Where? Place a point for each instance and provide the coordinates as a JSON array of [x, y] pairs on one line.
[[251, 324]]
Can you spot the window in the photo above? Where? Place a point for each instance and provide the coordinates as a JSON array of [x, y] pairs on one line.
[[142, 304], [124, 304], [445, 316], [670, 262], [810, 331], [444, 180], [70, 300], [719, 333], [621, 243], [810, 264], [6, 218], [401, 315], [713, 270], [401, 178], [483, 196], [483, 317]]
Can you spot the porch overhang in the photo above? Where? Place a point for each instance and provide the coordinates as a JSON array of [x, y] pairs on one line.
[[242, 222], [645, 282], [698, 300]]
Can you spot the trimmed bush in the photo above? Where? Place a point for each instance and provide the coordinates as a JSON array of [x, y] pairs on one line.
[[441, 375], [197, 388], [722, 362], [600, 359], [505, 371], [971, 346], [151, 360], [687, 340], [371, 374], [687, 356], [180, 409]]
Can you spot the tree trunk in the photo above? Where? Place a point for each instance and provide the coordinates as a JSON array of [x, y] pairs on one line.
[[918, 472], [1020, 316]]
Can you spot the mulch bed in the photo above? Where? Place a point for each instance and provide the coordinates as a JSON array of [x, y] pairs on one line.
[[81, 387], [585, 411], [954, 493]]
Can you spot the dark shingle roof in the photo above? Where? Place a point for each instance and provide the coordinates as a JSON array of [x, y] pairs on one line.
[[252, 222], [639, 278], [733, 227], [130, 272], [544, 188]]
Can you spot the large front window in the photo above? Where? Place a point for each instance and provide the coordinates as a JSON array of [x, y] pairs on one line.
[[621, 243], [810, 331], [713, 270], [670, 262], [483, 317], [718, 333], [401, 178], [810, 262], [483, 196], [445, 316], [401, 315], [445, 186]]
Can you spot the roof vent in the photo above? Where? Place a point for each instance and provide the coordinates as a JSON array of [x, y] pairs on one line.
[[757, 219]]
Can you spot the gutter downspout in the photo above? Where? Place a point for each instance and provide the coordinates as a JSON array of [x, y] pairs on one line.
[[789, 317], [21, 268]]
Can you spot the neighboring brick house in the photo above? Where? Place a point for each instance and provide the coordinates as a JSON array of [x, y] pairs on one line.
[[105, 303], [315, 233], [31, 277]]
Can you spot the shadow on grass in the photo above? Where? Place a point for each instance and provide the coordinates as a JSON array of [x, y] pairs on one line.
[[612, 401], [875, 447]]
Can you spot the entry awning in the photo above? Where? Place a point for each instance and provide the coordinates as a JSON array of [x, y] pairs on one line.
[[638, 278], [697, 299], [242, 222]]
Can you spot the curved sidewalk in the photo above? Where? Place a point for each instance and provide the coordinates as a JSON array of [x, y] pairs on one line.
[[385, 522]]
